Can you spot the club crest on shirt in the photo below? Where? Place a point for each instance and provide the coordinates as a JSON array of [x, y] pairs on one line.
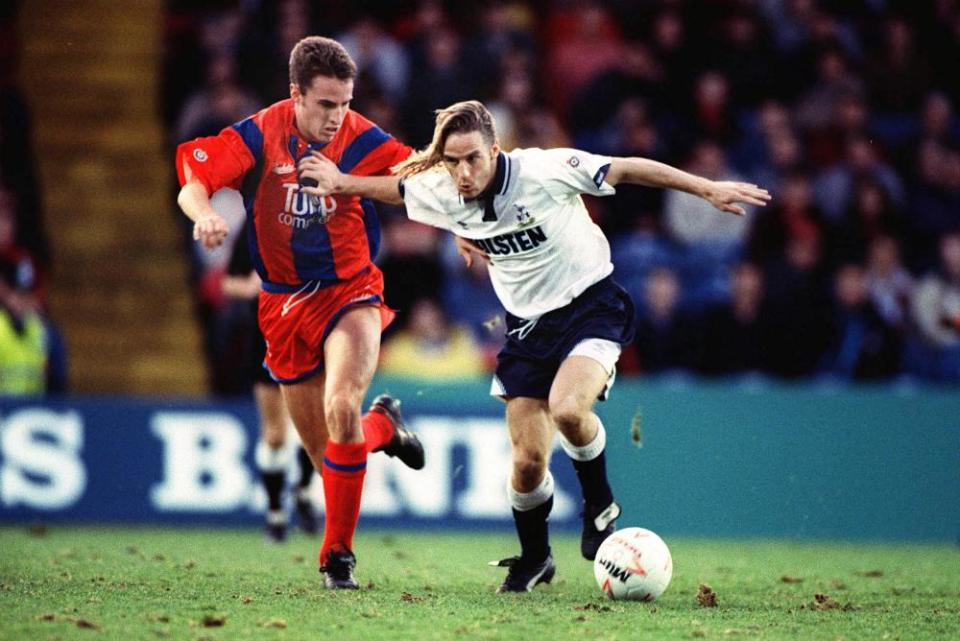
[[524, 217]]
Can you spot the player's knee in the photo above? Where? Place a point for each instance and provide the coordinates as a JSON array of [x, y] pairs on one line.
[[529, 467], [568, 415], [274, 438], [342, 412]]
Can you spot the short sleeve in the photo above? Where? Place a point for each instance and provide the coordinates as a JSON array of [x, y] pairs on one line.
[[382, 159], [216, 161], [423, 204], [571, 171]]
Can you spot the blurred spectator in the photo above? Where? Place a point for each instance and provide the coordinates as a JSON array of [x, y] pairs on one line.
[[381, 61], [502, 32], [889, 283], [710, 241], [264, 47], [791, 215], [16, 260], [898, 72], [934, 204], [871, 216], [710, 116], [850, 118], [32, 353], [692, 221], [440, 81], [835, 82], [18, 172], [800, 28], [860, 344], [432, 348], [541, 127], [411, 265], [582, 42], [665, 335], [934, 351], [515, 97], [631, 133], [418, 27], [220, 102], [635, 76], [469, 299], [736, 334], [677, 55], [798, 305], [938, 122], [743, 53], [834, 187]]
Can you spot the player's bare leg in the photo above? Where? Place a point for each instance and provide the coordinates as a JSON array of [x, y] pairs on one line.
[[531, 440], [578, 383], [273, 455], [304, 401], [530, 491], [350, 357]]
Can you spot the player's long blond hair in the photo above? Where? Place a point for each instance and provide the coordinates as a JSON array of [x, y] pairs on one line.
[[458, 118]]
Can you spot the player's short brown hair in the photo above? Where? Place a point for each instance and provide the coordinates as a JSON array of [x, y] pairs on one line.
[[318, 56], [460, 118]]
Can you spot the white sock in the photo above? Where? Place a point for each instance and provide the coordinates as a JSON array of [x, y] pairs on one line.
[[587, 452], [271, 460], [526, 501]]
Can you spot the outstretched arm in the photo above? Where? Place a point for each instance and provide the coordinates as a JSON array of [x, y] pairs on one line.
[[330, 180], [722, 194]]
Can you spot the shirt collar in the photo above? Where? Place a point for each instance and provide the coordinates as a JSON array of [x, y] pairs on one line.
[[497, 186]]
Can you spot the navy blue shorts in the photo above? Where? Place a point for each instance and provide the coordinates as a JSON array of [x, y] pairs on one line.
[[528, 362]]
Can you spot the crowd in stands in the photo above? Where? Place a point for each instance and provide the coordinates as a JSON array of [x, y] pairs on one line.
[[32, 352], [846, 111]]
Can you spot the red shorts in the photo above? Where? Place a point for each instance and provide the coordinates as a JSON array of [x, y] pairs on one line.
[[296, 324]]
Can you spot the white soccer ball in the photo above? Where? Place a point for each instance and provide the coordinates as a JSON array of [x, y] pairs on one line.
[[634, 564]]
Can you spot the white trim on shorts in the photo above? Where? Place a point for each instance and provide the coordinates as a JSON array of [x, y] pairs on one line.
[[604, 352], [599, 349]]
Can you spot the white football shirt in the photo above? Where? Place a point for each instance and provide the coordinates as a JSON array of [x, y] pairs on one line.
[[544, 249]]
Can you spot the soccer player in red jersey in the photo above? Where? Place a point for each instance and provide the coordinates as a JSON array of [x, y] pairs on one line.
[[321, 309]]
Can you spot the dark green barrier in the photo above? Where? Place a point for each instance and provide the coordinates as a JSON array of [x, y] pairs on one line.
[[768, 460]]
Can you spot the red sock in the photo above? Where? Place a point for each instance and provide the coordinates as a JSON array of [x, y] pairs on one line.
[[344, 466], [377, 430]]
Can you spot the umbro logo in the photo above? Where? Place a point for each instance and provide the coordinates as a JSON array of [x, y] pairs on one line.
[[283, 169]]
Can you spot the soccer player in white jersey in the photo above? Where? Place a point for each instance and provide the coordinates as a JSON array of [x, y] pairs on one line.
[[567, 320]]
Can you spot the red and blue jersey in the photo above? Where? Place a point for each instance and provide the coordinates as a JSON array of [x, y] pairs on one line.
[[295, 238]]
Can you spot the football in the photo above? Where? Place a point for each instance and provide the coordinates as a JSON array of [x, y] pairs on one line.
[[633, 564]]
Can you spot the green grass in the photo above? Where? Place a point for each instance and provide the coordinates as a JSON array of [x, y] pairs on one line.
[[77, 583]]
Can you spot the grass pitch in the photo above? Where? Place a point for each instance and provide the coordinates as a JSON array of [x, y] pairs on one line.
[[78, 583]]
